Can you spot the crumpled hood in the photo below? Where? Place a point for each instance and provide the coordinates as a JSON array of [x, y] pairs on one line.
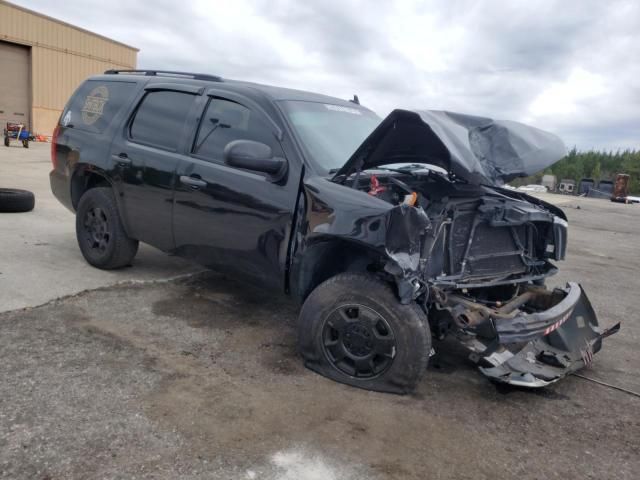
[[477, 149]]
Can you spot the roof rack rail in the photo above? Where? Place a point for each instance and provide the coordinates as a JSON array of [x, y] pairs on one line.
[[153, 73]]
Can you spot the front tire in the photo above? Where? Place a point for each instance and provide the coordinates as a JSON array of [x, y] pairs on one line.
[[353, 329], [99, 231]]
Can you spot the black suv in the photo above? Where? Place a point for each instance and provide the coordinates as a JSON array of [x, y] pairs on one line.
[[388, 231]]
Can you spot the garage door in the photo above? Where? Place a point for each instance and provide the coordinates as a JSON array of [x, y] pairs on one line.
[[14, 84]]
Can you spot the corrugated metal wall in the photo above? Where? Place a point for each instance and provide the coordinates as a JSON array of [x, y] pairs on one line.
[[62, 56]]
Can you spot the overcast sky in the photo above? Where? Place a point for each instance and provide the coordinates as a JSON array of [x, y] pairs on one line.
[[571, 67]]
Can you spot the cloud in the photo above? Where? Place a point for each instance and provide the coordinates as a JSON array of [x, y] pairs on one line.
[[565, 66], [569, 97]]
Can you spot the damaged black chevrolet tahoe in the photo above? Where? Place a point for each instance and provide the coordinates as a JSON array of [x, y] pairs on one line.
[[389, 232]]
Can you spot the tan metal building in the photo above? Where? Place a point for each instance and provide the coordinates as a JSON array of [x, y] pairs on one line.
[[43, 60]]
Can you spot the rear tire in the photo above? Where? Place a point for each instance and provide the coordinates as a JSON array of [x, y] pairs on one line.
[[353, 329], [14, 200], [99, 231]]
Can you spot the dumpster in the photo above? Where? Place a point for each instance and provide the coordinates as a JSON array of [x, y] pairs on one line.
[[586, 184]]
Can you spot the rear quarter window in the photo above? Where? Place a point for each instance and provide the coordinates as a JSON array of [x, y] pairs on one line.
[[95, 104], [160, 117]]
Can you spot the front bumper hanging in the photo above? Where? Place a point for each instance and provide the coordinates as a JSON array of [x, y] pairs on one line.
[[559, 336]]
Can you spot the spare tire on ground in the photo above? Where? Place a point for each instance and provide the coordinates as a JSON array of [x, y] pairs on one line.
[[14, 200]]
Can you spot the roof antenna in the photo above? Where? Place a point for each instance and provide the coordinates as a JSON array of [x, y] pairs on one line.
[[355, 100]]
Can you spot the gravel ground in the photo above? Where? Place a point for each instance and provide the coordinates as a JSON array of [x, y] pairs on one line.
[[199, 379]]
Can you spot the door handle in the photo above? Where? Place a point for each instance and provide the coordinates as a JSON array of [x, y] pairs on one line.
[[193, 182], [122, 158]]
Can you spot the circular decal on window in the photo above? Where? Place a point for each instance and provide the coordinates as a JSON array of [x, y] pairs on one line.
[[94, 104]]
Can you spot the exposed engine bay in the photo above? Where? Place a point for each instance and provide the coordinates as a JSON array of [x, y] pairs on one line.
[[473, 234], [475, 258]]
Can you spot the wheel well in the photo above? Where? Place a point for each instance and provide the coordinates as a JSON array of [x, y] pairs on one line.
[[326, 259], [83, 181]]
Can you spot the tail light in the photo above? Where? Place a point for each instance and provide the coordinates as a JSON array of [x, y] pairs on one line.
[[54, 145]]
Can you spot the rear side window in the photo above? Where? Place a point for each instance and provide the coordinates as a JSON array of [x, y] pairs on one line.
[[95, 103], [225, 121], [160, 118]]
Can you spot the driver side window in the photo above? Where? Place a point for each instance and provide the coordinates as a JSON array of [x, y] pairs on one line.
[[225, 121]]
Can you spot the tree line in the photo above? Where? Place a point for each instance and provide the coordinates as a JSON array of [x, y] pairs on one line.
[[599, 165]]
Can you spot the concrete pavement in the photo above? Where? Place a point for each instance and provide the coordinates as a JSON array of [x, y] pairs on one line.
[[39, 257]]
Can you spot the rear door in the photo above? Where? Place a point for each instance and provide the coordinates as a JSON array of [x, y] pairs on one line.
[[146, 154], [226, 218]]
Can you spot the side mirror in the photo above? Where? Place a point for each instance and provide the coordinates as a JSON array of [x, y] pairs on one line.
[[254, 156]]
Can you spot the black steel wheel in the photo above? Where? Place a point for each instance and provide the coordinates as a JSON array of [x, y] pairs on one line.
[[99, 231], [96, 229], [358, 341], [353, 329]]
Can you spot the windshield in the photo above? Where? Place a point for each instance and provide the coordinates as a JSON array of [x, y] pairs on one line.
[[330, 133]]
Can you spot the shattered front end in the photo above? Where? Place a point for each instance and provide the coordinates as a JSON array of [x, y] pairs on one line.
[[474, 255], [487, 285], [535, 339]]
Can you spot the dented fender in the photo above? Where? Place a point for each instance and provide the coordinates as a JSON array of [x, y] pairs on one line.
[[333, 212], [406, 227]]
